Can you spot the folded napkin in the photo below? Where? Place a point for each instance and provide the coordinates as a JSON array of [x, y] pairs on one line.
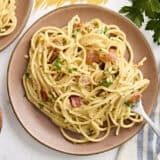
[[145, 145]]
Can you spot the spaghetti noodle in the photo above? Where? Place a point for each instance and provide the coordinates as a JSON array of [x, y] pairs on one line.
[[58, 3], [8, 19], [78, 77]]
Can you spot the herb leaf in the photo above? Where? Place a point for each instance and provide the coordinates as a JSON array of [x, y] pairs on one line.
[[148, 8], [41, 106], [105, 30], [57, 63], [128, 104], [106, 83], [74, 34], [134, 14], [102, 30], [155, 5], [154, 25], [72, 69], [27, 74]]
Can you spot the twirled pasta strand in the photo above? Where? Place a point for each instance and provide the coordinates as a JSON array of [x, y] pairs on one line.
[[8, 20], [84, 96]]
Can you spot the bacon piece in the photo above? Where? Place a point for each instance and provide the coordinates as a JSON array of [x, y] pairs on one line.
[[75, 101], [52, 58], [108, 57], [92, 56], [136, 98], [77, 26], [44, 94], [54, 55]]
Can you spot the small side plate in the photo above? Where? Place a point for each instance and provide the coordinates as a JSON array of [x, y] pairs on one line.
[[23, 9]]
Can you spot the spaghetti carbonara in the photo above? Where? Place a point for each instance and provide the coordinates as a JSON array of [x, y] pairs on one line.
[[8, 19], [78, 77]]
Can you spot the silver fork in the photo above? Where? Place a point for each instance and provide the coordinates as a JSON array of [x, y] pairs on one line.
[[138, 108]]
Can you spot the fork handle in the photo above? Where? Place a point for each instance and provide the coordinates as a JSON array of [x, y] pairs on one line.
[[151, 123]]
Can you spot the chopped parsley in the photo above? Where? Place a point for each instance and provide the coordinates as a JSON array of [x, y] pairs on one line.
[[106, 83], [100, 50], [74, 34], [50, 93], [27, 74], [57, 63], [72, 70], [51, 96], [128, 104], [41, 106], [105, 30], [78, 30], [102, 31]]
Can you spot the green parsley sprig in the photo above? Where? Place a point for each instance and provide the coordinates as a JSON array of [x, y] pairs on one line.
[[27, 74], [128, 104], [106, 83], [102, 30], [41, 106], [57, 63], [74, 34], [71, 70], [148, 8]]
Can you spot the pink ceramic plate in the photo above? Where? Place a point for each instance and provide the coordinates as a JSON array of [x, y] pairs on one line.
[[38, 125], [23, 9]]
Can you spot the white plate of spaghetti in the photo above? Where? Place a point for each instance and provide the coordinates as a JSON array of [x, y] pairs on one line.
[[84, 74], [13, 16]]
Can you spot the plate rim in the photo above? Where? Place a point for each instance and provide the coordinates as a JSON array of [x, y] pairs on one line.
[[20, 28], [96, 7]]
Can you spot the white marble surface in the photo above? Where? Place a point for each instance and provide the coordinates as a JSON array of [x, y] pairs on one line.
[[15, 143]]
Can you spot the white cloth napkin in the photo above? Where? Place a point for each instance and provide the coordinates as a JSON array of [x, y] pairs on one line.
[[145, 145]]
